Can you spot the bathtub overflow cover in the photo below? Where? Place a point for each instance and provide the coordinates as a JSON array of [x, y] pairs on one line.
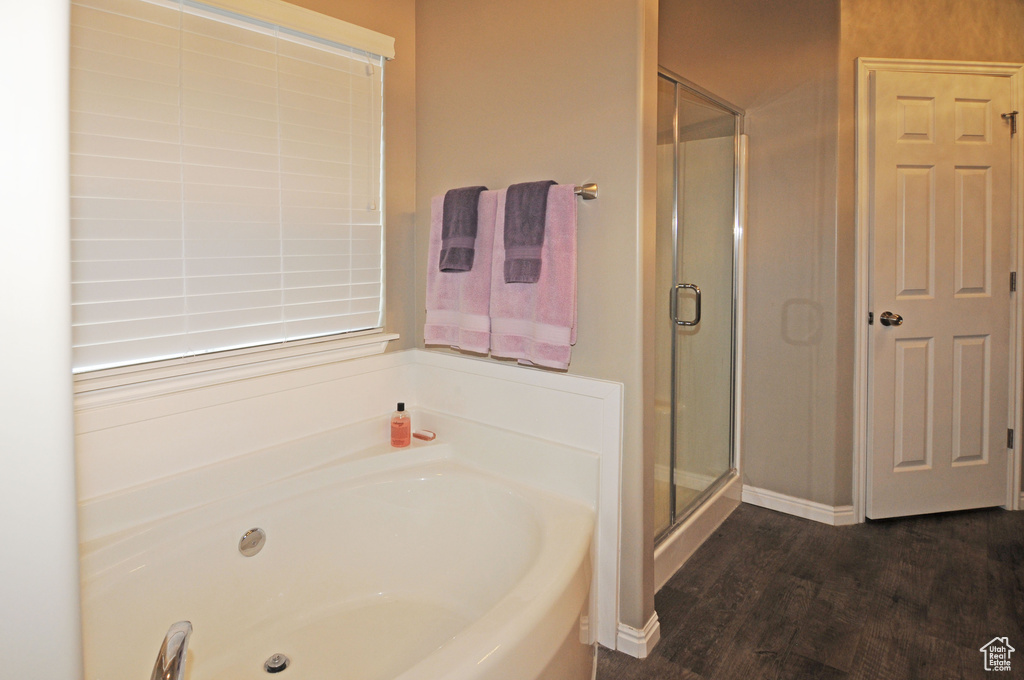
[[252, 542], [276, 663]]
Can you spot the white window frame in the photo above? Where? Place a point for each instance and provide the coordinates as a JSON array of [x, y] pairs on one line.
[[138, 381]]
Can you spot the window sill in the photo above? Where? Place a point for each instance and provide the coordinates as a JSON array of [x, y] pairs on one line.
[[119, 385]]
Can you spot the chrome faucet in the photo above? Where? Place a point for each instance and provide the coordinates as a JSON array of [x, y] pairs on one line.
[[170, 663]]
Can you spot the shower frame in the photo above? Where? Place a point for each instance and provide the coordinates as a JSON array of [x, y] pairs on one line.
[[676, 517]]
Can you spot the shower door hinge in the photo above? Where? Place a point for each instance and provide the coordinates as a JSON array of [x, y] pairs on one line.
[[1013, 282], [1012, 117], [1009, 438]]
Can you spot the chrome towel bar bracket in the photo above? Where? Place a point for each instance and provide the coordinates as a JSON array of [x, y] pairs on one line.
[[587, 191]]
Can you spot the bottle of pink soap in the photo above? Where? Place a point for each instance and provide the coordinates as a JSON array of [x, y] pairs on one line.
[[401, 427]]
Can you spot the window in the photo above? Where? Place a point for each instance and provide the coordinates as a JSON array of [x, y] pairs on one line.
[[226, 178]]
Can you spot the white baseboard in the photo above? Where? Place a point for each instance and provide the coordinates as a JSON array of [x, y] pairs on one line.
[[639, 643], [836, 515], [843, 516]]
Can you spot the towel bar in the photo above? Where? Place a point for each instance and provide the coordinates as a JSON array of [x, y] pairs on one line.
[[587, 191]]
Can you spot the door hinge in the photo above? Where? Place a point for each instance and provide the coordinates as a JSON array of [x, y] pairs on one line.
[[1009, 438], [1013, 282], [1012, 117]]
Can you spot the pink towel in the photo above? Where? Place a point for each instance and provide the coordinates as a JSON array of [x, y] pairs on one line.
[[457, 302], [536, 322]]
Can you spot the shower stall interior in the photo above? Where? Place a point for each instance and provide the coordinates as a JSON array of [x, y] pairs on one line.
[[696, 270]]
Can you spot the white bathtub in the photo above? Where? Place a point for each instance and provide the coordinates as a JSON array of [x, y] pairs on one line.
[[403, 564]]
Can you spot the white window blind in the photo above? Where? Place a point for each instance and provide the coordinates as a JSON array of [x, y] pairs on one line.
[[225, 183]]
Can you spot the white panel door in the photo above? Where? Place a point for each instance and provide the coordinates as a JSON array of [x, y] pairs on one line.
[[941, 261]]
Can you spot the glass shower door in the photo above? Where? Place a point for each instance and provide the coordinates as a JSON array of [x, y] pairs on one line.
[[695, 270]]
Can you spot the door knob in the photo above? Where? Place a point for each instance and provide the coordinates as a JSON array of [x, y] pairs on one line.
[[890, 319]]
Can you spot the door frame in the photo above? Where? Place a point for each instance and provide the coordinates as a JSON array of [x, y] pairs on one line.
[[863, 403]]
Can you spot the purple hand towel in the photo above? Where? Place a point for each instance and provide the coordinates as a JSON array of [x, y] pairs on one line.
[[525, 210], [458, 229]]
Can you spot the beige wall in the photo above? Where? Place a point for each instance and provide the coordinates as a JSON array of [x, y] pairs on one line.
[[396, 18], [777, 62], [543, 89], [975, 30]]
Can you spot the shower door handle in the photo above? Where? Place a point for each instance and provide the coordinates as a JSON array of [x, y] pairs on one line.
[[673, 304]]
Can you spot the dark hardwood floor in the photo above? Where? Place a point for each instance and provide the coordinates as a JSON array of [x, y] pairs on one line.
[[774, 596]]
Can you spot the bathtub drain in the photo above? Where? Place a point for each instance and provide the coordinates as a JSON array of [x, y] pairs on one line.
[[276, 663]]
